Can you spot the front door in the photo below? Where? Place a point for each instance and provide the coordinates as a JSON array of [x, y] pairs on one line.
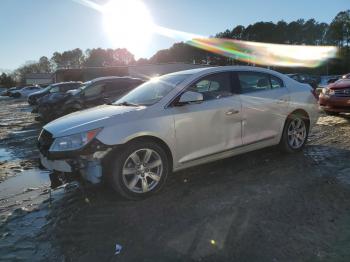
[[211, 126]]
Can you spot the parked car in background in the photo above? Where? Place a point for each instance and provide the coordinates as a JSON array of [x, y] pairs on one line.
[[178, 121], [9, 91], [335, 98], [25, 91], [326, 80], [93, 93], [346, 76], [307, 79], [51, 89]]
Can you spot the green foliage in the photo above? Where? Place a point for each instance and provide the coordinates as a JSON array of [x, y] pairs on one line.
[[108, 57], [6, 81]]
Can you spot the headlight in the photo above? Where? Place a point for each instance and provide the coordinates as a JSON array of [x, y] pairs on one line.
[[327, 91], [73, 142]]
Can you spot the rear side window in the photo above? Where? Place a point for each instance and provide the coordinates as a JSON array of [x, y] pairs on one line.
[[65, 88], [94, 90], [118, 88], [115, 86], [276, 82], [254, 82]]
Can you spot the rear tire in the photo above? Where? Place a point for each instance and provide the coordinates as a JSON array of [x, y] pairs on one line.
[[138, 170], [295, 133]]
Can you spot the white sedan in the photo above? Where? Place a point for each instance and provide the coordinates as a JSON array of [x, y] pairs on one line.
[[26, 91], [178, 121]]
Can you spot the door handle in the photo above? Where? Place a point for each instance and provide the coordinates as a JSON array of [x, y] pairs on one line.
[[281, 101], [232, 112]]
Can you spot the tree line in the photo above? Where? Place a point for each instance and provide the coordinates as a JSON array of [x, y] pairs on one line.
[[299, 32]]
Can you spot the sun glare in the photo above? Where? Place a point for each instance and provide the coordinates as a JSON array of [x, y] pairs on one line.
[[128, 24]]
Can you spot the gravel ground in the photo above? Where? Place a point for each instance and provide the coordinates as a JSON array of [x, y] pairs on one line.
[[260, 206]]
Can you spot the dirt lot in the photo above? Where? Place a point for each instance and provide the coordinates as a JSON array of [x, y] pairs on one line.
[[261, 206]]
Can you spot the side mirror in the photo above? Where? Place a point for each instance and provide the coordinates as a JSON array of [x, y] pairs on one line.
[[190, 97]]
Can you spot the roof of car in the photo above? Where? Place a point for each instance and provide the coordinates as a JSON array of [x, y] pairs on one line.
[[105, 78], [226, 68], [67, 83]]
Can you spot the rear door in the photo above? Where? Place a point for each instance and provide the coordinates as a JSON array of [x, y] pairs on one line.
[[265, 103]]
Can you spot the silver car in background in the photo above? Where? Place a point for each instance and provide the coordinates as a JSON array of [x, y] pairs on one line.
[[178, 121]]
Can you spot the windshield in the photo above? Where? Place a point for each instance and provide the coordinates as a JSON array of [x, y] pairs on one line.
[[84, 85], [152, 91], [46, 89], [54, 89]]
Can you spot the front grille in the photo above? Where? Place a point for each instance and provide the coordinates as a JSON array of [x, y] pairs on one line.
[[342, 92], [45, 141]]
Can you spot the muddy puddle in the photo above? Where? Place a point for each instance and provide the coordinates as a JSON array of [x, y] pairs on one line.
[[5, 155], [25, 204]]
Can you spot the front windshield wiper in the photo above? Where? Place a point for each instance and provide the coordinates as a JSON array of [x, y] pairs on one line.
[[125, 103]]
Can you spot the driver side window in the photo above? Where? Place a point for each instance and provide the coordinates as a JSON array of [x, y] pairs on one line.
[[213, 86]]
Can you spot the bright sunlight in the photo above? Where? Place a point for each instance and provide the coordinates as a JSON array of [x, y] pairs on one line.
[[128, 24]]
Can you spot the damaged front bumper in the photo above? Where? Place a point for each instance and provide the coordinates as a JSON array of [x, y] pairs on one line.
[[86, 162]]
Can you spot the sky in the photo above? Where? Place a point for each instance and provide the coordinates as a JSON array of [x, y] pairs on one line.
[[30, 29]]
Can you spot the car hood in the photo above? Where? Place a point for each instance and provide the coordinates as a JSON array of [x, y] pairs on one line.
[[92, 118], [340, 84]]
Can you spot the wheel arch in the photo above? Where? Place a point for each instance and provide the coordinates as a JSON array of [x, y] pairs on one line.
[[300, 112]]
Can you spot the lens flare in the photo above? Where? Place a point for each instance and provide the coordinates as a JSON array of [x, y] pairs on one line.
[[128, 24], [267, 54]]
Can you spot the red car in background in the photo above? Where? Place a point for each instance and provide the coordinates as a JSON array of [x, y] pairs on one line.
[[335, 98], [347, 76]]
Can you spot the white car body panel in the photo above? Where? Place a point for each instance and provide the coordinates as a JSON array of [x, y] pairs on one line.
[[199, 120], [199, 133]]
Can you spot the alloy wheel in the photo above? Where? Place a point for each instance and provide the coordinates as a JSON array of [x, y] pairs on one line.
[[296, 133], [142, 170]]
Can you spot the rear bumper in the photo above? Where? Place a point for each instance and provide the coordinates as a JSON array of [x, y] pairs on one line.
[[334, 103]]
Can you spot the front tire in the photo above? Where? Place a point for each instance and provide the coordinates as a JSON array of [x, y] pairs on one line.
[[139, 170], [295, 133]]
